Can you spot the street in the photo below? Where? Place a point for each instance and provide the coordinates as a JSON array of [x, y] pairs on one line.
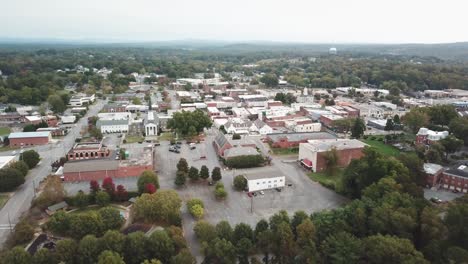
[[21, 200]]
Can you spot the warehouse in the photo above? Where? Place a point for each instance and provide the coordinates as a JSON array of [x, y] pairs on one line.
[[18, 139]]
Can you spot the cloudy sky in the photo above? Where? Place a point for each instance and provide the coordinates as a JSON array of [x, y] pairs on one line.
[[358, 21]]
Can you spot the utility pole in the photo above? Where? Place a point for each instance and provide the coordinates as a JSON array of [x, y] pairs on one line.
[[34, 187], [251, 205], [9, 221]]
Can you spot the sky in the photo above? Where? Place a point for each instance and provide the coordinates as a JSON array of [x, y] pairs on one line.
[[310, 21]]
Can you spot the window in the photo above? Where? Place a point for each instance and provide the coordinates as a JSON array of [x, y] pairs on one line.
[[281, 180]]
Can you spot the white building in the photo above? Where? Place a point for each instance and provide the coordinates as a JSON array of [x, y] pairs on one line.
[[68, 119], [113, 126], [303, 125], [263, 181], [81, 99], [261, 127], [6, 160], [151, 124]]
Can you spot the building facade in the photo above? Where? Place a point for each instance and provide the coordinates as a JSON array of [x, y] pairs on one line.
[[256, 182], [18, 139]]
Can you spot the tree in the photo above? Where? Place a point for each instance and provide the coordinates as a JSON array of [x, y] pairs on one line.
[[236, 136], [390, 249], [415, 119], [53, 192], [108, 186], [342, 248], [224, 230], [357, 131], [180, 179], [81, 200], [136, 101], [270, 80], [459, 128], [219, 251], [112, 240], [110, 257], [121, 195], [243, 248], [204, 231], [111, 218], [31, 157], [331, 160], [159, 206], [56, 103], [389, 126], [134, 250], [242, 231], [343, 125], [85, 223], [10, 179], [88, 249], [43, 256], [24, 232], [102, 198], [66, 250], [17, 255], [193, 173], [204, 172], [396, 120], [182, 165], [161, 246], [455, 221], [240, 182], [145, 178], [20, 166], [183, 257], [435, 153], [95, 133], [94, 187], [216, 174], [183, 121], [284, 246], [451, 144]]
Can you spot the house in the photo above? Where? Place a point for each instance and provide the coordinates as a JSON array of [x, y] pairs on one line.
[[221, 143], [264, 180], [426, 136], [11, 117], [151, 124], [290, 140], [18, 139], [32, 120], [433, 173], [377, 123], [113, 126], [312, 153], [237, 126], [261, 127]]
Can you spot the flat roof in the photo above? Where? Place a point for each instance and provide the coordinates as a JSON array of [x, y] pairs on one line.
[[301, 136], [90, 165], [263, 174], [29, 134], [338, 143]]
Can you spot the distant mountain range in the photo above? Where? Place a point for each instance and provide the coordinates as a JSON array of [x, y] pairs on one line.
[[447, 51]]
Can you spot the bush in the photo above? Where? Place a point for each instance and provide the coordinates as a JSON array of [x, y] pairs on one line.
[[216, 174], [193, 174], [380, 139], [372, 138], [195, 207], [10, 179], [220, 192], [145, 178], [204, 172], [21, 166], [24, 232], [31, 157], [111, 218], [248, 161], [240, 183], [102, 198], [160, 206], [180, 179]]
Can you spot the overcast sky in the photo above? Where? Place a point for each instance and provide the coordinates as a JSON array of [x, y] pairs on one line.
[[362, 21]]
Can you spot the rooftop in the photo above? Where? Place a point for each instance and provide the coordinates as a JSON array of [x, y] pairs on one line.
[[240, 151], [90, 165], [29, 134], [328, 144], [301, 136], [460, 169], [263, 173]]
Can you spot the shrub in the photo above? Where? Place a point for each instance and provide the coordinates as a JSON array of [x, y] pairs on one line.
[[102, 198], [240, 183], [145, 178], [24, 232], [195, 207], [248, 161], [236, 136], [21, 166], [111, 218], [180, 179], [220, 192], [380, 139], [216, 174], [31, 157], [10, 179], [193, 174], [204, 172]]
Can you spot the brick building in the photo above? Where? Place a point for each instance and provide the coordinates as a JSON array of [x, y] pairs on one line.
[[455, 178], [51, 120], [221, 143], [433, 173], [18, 139], [88, 150], [312, 153], [291, 140], [426, 136]]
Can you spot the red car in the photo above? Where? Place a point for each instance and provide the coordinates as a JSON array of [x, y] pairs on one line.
[[203, 157], [249, 194]]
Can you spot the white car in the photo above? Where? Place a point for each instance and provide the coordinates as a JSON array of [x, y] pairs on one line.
[[262, 192]]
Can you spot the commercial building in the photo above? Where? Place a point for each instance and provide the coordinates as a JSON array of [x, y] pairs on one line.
[[290, 140], [264, 181], [81, 99], [68, 119], [112, 126], [433, 172], [426, 136], [455, 178], [311, 154], [377, 123], [88, 150], [240, 151], [18, 139], [55, 131], [151, 124]]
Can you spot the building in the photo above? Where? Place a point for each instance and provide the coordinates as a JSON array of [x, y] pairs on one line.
[[312, 153], [68, 119], [328, 119], [377, 123], [55, 131], [151, 124], [433, 173], [426, 136], [253, 100], [5, 161], [88, 150], [18, 139], [113, 108], [264, 181], [455, 178], [221, 143], [113, 126], [261, 127], [81, 99], [240, 151], [291, 140], [32, 120]]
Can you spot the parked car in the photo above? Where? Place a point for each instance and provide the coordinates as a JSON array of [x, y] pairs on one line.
[[249, 194], [435, 200], [262, 192], [455, 191], [192, 146], [157, 143], [278, 189], [203, 157], [254, 194]]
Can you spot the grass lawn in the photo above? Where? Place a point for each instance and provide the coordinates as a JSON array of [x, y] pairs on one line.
[[381, 147], [4, 131], [133, 139], [285, 151], [167, 136], [330, 181], [7, 148], [3, 199]]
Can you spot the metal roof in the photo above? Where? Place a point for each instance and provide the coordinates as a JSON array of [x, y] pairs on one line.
[[90, 165], [29, 134]]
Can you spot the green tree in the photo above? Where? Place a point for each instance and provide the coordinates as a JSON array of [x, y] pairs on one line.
[[243, 248], [270, 80], [110, 257], [17, 255], [220, 192], [183, 257], [396, 120], [31, 157], [389, 126], [204, 172], [284, 246], [181, 178], [82, 224], [193, 173], [160, 206], [415, 119], [147, 177], [10, 179], [183, 121], [88, 249], [56, 103], [134, 250], [224, 230], [182, 165], [20, 166], [451, 144], [204, 231], [455, 221], [111, 218], [52, 193], [459, 128], [342, 248], [240, 182], [343, 125], [331, 158], [24, 232], [43, 256], [136, 101], [435, 153], [219, 251], [112, 240], [195, 207], [357, 131], [216, 174], [161, 246], [102, 198], [389, 249], [66, 250], [59, 222]]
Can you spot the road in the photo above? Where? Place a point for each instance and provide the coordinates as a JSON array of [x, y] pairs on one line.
[[21, 200]]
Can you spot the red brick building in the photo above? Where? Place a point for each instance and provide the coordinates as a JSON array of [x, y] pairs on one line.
[[291, 140], [222, 143], [88, 150], [433, 174], [311, 154], [100, 169], [455, 178], [29, 138], [51, 120], [426, 136]]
